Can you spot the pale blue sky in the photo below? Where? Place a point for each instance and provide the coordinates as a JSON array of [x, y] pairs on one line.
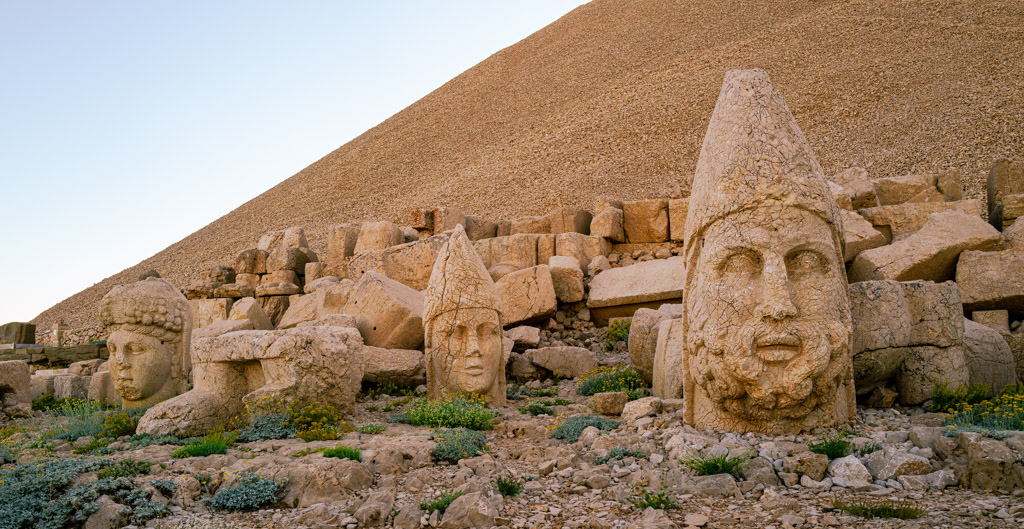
[[125, 126]]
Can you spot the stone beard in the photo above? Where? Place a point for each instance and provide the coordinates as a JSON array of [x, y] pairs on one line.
[[465, 354], [768, 323]]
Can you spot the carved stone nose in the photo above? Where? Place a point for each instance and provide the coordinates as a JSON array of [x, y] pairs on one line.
[[777, 303]]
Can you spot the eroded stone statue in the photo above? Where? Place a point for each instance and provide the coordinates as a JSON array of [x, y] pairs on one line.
[[151, 326], [766, 314], [462, 317]]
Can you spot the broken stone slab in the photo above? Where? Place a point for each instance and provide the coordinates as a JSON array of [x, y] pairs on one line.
[[841, 195], [479, 228], [250, 309], [891, 463], [341, 242], [900, 189], [251, 261], [252, 280], [898, 221], [567, 278], [989, 358], [294, 237], [524, 335], [401, 367], [290, 259], [87, 367], [71, 387], [583, 247], [620, 291], [677, 209], [530, 225], [15, 389], [858, 235], [274, 307], [1005, 178], [220, 275], [998, 320], [378, 236], [667, 371], [281, 276], [409, 263], [207, 311], [1013, 209], [856, 181], [564, 361], [101, 389], [447, 219], [931, 253], [18, 332], [514, 252], [991, 280], [567, 220], [608, 224], [313, 271], [527, 295], [323, 282], [991, 466], [277, 288], [639, 408], [234, 290], [388, 314], [610, 402], [220, 327], [643, 336], [646, 220], [310, 307]]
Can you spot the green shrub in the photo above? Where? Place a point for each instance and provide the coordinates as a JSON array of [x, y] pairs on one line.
[[618, 330], [372, 390], [457, 443], [249, 493], [37, 494], [450, 412], [317, 422], [556, 402], [145, 439], [518, 392], [125, 468], [835, 446], [213, 443], [343, 452], [1004, 412], [946, 400], [121, 422], [618, 453], [265, 426], [610, 378], [508, 486], [571, 428], [870, 510], [721, 464], [372, 428], [85, 419], [660, 500], [868, 448], [96, 446], [48, 403], [167, 487], [536, 408], [441, 502]]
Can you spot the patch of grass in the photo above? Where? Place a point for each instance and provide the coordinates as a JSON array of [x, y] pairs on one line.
[[618, 330], [96, 446], [85, 419], [167, 487], [508, 486], [536, 408], [248, 493], [952, 401], [518, 392], [870, 510], [709, 465], [657, 500], [210, 444], [556, 402], [441, 502], [372, 428], [834, 446], [462, 411], [343, 452], [571, 428], [610, 378], [125, 468], [306, 451], [1004, 412], [618, 453], [145, 439], [372, 390], [868, 448], [457, 443], [49, 403]]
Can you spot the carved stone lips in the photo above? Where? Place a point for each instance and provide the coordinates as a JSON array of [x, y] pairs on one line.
[[777, 347]]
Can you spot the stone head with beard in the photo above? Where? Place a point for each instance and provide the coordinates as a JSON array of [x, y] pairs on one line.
[[766, 312], [150, 326]]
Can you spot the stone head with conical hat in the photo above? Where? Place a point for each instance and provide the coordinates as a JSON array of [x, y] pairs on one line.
[[766, 312], [462, 325], [150, 325]]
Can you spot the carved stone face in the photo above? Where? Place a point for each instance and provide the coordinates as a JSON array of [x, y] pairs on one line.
[[767, 321], [140, 366], [466, 350]]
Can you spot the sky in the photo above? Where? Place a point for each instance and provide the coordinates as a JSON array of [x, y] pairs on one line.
[[126, 126]]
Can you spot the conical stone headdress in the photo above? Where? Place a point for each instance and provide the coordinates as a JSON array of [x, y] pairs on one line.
[[754, 155], [459, 280]]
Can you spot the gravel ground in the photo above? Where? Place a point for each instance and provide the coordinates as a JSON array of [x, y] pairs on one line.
[[614, 98]]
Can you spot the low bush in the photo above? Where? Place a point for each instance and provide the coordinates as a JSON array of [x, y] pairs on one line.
[[48, 403], [610, 378], [571, 428], [145, 439], [121, 422], [709, 465], [372, 390], [248, 493], [518, 392], [618, 330], [536, 408], [457, 411], [871, 510], [125, 468], [343, 452], [835, 446], [213, 443], [85, 419], [372, 428], [1004, 412], [867, 449], [656, 500], [952, 401], [97, 446], [618, 453], [265, 426], [508, 486], [457, 443], [317, 422], [35, 494], [167, 487], [441, 502]]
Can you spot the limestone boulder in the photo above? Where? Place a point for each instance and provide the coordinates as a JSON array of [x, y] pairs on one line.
[[252, 261], [858, 235], [409, 263], [996, 319], [900, 189], [620, 291], [565, 361], [891, 463], [517, 251], [235, 290], [850, 468], [220, 327], [446, 218], [646, 220], [341, 242], [527, 295], [989, 358], [843, 197], [401, 367], [1013, 236], [567, 278], [1005, 178], [388, 313], [310, 307], [291, 259], [278, 288], [207, 311], [524, 335], [250, 309], [610, 402], [643, 336], [15, 389], [274, 307], [608, 223], [566, 220], [530, 225], [71, 387], [677, 210], [101, 389], [930, 253], [378, 236], [294, 237], [583, 247], [320, 480], [991, 280], [644, 407], [991, 465], [480, 228], [469, 511], [667, 370], [898, 221], [856, 181]]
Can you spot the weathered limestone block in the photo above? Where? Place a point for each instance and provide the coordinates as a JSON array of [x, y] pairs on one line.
[[277, 289], [925, 366], [610, 402], [294, 237], [253, 280], [388, 313], [18, 332], [1014, 236], [341, 242], [667, 370], [566, 220], [234, 290], [530, 225], [409, 263], [948, 183], [567, 278], [250, 309], [201, 290], [842, 196], [891, 463], [900, 189], [101, 389], [677, 209], [310, 307], [447, 219], [313, 271], [71, 387], [524, 335], [858, 235], [1005, 178], [463, 325], [857, 182], [995, 319], [1013, 209], [480, 228], [608, 224], [991, 465], [220, 274], [766, 309], [281, 276], [527, 295], [274, 307], [323, 282], [881, 331], [583, 247], [646, 220], [620, 291], [41, 382], [423, 219], [290, 259], [150, 325], [15, 389], [86, 367], [565, 361], [252, 261], [991, 280], [643, 336], [220, 327], [989, 359], [304, 365], [409, 234], [378, 236], [930, 253], [469, 511], [898, 221], [401, 367], [514, 252]]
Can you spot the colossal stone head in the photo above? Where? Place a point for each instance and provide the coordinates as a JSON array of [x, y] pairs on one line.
[[462, 325], [150, 326], [766, 312]]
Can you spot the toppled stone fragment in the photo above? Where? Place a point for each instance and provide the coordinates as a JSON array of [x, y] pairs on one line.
[[567, 278], [991, 280], [388, 313], [527, 295], [645, 220]]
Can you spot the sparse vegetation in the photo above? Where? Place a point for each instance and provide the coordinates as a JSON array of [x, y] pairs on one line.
[[952, 401], [441, 502], [213, 443], [343, 452], [508, 486], [248, 493], [457, 443], [834, 446], [518, 392], [536, 408], [656, 500], [571, 428], [125, 468], [121, 422], [868, 448], [618, 330], [618, 453], [709, 465], [611, 378], [373, 428], [990, 417], [871, 510], [457, 411]]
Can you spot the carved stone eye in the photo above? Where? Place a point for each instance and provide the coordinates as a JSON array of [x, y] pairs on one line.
[[741, 264], [806, 262]]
